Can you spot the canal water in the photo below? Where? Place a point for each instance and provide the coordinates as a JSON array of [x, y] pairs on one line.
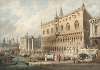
[[54, 67]]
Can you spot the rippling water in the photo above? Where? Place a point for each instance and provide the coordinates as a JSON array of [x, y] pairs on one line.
[[54, 67]]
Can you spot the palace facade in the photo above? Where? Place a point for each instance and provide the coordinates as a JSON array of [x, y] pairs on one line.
[[67, 34]]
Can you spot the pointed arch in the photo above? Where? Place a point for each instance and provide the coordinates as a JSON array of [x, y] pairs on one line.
[[61, 27], [76, 24], [67, 26]]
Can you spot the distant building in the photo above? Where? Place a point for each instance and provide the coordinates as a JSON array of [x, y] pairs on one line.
[[10, 46], [67, 34], [28, 44]]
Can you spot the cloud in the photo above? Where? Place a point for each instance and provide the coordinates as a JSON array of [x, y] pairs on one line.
[[21, 16], [5, 2]]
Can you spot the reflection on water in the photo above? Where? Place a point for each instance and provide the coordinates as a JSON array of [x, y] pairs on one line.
[[54, 67]]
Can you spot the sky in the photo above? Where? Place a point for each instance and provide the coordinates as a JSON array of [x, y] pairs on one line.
[[17, 17]]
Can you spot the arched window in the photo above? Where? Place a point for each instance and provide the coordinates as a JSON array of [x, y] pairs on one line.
[[76, 24], [67, 26], [64, 48], [61, 27], [51, 30], [56, 29], [74, 38], [81, 38], [47, 31], [43, 32], [63, 39]]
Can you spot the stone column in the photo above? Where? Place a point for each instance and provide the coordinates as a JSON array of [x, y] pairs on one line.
[[28, 45], [32, 44], [45, 58]]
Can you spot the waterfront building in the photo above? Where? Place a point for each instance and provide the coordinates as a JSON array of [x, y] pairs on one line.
[[95, 32], [67, 34]]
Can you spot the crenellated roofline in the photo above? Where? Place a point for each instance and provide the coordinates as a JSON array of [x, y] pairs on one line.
[[76, 10]]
